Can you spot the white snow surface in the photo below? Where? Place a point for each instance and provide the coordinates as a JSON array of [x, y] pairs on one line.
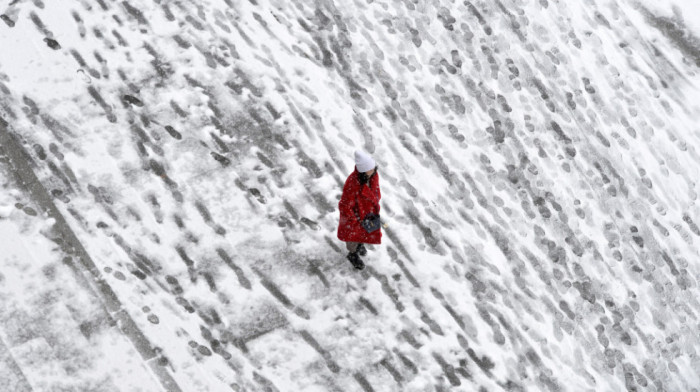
[[539, 169]]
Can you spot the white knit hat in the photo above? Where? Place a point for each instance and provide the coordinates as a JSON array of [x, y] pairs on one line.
[[364, 162]]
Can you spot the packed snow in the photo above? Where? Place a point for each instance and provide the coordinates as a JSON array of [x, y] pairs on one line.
[[170, 175]]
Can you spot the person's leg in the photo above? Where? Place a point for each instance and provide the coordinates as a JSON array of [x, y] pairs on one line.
[[353, 256], [352, 246], [361, 250]]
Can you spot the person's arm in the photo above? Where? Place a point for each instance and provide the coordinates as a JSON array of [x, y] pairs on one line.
[[348, 200]]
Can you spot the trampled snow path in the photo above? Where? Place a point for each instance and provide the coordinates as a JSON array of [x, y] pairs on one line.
[[171, 172]]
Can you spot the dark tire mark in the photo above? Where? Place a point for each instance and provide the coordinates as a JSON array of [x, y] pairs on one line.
[[102, 5], [195, 23], [395, 374], [387, 289], [183, 255], [273, 289], [39, 24], [131, 100], [168, 13], [429, 321], [316, 346], [268, 386], [315, 270], [448, 369], [172, 132], [220, 158], [178, 110], [239, 272], [367, 304], [9, 22], [407, 362], [135, 13], [100, 101], [692, 225], [120, 40], [52, 43], [366, 386]]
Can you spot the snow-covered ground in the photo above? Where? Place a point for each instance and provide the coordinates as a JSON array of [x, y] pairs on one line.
[[171, 170]]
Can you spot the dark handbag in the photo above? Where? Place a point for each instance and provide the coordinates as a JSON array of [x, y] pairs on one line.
[[371, 223]]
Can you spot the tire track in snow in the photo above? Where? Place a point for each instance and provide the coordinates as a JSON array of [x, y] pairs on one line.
[[85, 270]]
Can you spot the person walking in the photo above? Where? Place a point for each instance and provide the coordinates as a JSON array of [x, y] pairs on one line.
[[359, 209]]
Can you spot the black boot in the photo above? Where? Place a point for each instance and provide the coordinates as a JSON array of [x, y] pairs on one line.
[[361, 250], [356, 261]]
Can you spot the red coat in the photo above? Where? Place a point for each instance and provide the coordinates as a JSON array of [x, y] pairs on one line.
[[358, 201]]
